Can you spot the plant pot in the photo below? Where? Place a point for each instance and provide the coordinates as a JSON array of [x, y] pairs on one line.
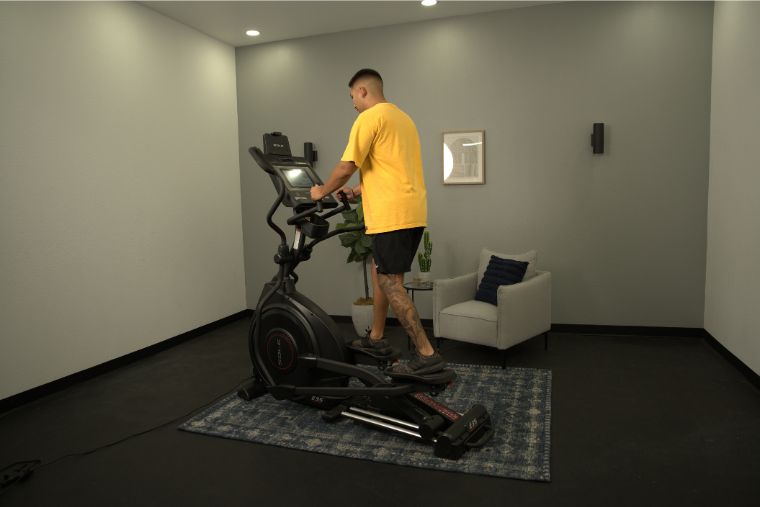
[[362, 316], [424, 277]]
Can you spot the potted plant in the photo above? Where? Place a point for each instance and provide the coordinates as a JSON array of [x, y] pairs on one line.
[[360, 250], [424, 258]]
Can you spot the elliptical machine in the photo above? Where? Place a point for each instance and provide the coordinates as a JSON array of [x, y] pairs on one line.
[[297, 350]]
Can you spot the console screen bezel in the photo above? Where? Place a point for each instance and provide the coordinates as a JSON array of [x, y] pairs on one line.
[[281, 171]]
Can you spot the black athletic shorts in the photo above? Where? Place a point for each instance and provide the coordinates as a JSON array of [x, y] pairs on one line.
[[394, 251]]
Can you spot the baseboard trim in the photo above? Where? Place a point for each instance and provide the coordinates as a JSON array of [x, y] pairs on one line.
[[57, 385], [748, 372], [686, 332]]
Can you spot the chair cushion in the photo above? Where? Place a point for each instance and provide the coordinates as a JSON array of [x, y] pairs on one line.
[[471, 321], [499, 272], [529, 257]]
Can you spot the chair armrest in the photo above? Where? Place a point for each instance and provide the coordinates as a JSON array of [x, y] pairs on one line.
[[450, 291], [524, 309]]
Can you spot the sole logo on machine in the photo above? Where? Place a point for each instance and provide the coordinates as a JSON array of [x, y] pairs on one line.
[[281, 350]]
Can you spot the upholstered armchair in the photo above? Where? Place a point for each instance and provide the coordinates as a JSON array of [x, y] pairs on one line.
[[522, 310]]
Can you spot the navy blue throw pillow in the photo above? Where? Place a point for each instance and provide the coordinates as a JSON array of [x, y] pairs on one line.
[[499, 272]]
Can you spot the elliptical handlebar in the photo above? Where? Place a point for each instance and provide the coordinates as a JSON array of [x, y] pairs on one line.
[[270, 214], [298, 217], [308, 216], [318, 207], [340, 209], [260, 159], [346, 206]]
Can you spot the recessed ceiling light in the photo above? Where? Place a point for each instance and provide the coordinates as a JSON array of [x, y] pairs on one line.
[[429, 3], [252, 33]]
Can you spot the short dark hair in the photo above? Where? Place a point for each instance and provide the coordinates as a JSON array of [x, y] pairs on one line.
[[364, 73]]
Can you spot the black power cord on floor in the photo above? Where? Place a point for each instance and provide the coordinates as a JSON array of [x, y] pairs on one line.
[[17, 472], [22, 470]]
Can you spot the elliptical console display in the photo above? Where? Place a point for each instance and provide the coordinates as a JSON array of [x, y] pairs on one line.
[[294, 173]]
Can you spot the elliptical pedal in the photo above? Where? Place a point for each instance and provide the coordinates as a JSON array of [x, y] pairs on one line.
[[383, 359], [444, 376]]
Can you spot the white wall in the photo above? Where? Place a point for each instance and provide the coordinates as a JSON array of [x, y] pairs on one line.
[[732, 299], [120, 219], [623, 233]]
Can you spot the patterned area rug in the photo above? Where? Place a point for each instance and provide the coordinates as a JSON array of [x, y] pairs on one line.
[[518, 400]]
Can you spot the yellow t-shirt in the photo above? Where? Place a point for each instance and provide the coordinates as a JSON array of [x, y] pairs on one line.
[[384, 144]]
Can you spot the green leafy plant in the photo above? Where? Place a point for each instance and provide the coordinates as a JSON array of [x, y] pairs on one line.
[[423, 257], [359, 245]]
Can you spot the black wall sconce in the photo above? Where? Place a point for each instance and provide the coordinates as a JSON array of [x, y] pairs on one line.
[[597, 138], [309, 153]]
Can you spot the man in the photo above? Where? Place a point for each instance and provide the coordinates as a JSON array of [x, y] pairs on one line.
[[385, 147]]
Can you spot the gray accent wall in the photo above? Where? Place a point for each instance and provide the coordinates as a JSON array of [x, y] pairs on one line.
[[623, 233], [120, 222], [732, 300]]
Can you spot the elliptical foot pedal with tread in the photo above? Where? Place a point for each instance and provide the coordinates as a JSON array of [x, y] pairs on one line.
[[439, 377], [377, 355]]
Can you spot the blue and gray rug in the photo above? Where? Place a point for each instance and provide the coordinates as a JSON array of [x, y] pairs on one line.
[[518, 399]]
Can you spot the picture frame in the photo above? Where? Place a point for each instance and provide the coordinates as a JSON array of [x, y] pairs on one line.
[[464, 157]]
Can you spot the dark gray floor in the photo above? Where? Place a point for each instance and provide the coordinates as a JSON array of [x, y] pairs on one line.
[[635, 421]]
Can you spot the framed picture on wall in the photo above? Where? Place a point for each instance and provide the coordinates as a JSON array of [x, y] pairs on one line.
[[464, 157]]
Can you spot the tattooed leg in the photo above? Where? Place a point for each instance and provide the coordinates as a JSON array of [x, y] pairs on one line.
[[380, 312], [403, 307]]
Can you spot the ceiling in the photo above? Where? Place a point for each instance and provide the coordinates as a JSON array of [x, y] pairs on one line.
[[228, 21]]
